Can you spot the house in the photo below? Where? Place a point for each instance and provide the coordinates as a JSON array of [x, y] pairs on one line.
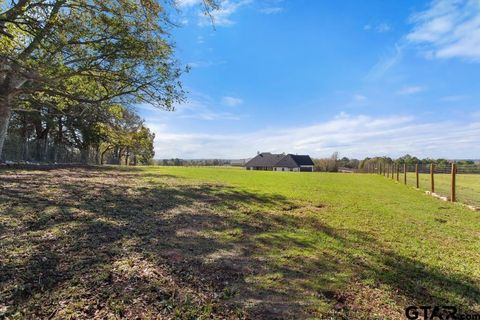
[[280, 162]]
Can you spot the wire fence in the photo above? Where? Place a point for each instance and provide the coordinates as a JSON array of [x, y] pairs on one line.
[[450, 182]]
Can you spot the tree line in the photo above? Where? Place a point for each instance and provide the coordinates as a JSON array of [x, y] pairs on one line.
[[194, 162], [333, 163], [71, 70], [111, 134]]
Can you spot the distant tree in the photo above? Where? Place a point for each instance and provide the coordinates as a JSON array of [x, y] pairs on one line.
[[327, 164], [408, 159], [442, 162]]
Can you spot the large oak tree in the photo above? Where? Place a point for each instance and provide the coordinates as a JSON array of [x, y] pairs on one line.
[[87, 52]]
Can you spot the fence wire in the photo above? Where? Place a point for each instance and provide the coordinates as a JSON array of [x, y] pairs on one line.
[[437, 179]]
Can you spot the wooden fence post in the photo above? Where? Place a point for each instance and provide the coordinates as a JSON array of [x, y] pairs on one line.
[[404, 173], [432, 177], [454, 173], [398, 172], [416, 175], [393, 171]]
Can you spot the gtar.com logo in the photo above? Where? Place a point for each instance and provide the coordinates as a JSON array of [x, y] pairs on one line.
[[431, 312], [438, 313]]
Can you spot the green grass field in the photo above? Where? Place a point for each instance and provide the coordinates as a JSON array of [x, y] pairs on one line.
[[467, 186], [202, 243]]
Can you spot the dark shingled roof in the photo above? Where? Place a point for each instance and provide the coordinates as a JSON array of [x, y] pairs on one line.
[[302, 160], [294, 161], [267, 159]]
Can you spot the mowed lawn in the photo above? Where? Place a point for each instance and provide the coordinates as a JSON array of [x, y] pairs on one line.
[[203, 243]]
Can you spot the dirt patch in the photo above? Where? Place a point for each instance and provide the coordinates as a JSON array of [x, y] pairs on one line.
[[364, 302]]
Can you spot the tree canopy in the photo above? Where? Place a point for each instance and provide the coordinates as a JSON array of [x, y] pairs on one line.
[[74, 55]]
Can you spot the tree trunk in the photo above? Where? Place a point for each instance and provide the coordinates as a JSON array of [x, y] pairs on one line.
[[45, 148], [5, 113], [119, 156], [97, 154], [102, 156], [24, 133], [58, 139], [85, 155]]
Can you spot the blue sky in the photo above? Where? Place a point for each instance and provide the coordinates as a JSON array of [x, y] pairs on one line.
[[363, 78]]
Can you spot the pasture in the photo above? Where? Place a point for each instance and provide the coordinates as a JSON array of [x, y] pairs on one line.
[[468, 186], [185, 243]]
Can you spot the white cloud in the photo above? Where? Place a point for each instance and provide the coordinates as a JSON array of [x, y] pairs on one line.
[[232, 101], [204, 64], [410, 90], [454, 98], [272, 10], [222, 15], [359, 98], [448, 29], [383, 27], [386, 63], [380, 28], [199, 107], [352, 136], [202, 107], [187, 3]]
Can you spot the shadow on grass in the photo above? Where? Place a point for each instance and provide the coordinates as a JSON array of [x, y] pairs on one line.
[[95, 243]]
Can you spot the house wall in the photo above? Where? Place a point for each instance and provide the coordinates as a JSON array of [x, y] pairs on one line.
[[286, 169], [302, 168], [306, 168], [260, 168]]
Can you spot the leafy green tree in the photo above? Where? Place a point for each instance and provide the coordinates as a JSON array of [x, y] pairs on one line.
[[142, 145], [87, 52], [408, 159]]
